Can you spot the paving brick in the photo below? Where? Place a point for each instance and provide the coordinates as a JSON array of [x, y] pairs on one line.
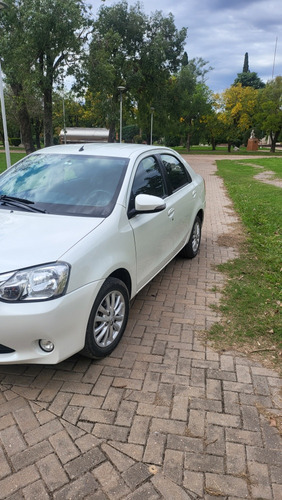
[[223, 419], [151, 382], [125, 413], [120, 460], [231, 402], [107, 431], [64, 446], [11, 406], [31, 455], [52, 472], [79, 489], [20, 480], [12, 440], [196, 423], [213, 389], [250, 418], [168, 489], [60, 403], [102, 386], [26, 419], [264, 455], [36, 490], [43, 432], [50, 392], [136, 475], [259, 479], [235, 459], [84, 463], [168, 426], [139, 430], [145, 491], [202, 462], [4, 465], [154, 450], [226, 485], [111, 482], [173, 465], [244, 437], [194, 482]]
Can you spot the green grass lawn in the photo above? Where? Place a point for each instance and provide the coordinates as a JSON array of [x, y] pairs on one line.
[[14, 158], [251, 301]]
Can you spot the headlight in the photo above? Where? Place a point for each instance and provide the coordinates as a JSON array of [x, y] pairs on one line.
[[35, 283]]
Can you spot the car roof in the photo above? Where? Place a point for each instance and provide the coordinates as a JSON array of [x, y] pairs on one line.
[[104, 149]]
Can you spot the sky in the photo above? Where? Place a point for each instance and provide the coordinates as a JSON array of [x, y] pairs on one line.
[[222, 31]]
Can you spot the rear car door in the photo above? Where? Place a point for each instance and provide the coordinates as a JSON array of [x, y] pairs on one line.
[[182, 198]]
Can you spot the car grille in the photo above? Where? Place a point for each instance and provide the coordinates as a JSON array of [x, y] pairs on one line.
[[5, 350]]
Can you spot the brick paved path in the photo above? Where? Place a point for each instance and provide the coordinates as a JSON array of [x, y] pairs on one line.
[[164, 417]]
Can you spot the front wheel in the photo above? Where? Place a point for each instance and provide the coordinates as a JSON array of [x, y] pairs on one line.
[[107, 320], [190, 250]]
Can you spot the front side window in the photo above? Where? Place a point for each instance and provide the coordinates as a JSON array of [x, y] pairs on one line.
[[148, 180], [176, 172]]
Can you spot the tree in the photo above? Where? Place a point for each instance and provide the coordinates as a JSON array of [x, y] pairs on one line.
[[192, 98], [16, 64], [213, 125], [139, 52], [246, 63], [239, 105], [269, 116], [248, 78], [40, 38]]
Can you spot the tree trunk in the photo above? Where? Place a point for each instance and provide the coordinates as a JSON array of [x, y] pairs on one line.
[[38, 130], [24, 118], [213, 142], [47, 120], [229, 147], [112, 132], [188, 145], [273, 138]]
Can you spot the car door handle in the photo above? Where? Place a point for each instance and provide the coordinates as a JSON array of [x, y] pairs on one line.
[[194, 193], [170, 213]]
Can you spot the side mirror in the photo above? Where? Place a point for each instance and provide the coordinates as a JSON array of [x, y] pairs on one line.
[[147, 203]]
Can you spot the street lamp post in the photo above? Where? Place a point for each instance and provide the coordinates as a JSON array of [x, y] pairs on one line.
[[121, 89], [3, 5], [152, 118]]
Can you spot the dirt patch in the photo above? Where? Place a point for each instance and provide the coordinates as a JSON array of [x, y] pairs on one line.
[[233, 239], [267, 178]]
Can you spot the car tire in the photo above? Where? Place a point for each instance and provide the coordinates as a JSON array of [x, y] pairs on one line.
[[107, 320], [191, 249]]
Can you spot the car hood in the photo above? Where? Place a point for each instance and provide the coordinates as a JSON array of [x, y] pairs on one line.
[[29, 239]]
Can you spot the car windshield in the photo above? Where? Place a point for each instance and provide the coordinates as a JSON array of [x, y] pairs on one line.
[[65, 184]]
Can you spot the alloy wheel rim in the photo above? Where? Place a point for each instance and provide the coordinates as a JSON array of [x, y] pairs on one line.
[[196, 237], [109, 319]]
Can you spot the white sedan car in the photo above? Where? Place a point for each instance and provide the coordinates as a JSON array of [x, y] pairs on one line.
[[82, 229]]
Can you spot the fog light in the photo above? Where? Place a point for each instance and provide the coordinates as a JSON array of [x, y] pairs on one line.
[[46, 345]]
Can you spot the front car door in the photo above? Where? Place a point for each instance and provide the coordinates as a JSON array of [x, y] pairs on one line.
[[153, 232]]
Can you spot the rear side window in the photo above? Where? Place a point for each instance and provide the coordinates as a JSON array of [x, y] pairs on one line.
[[176, 172]]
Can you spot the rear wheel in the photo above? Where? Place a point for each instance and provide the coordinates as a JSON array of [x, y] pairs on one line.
[[107, 320], [190, 250]]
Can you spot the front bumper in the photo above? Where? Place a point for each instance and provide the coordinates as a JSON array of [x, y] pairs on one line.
[[63, 321]]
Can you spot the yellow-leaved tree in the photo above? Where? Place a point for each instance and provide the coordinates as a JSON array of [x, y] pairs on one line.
[[238, 108]]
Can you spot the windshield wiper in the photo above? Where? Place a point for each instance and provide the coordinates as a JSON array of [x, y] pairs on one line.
[[20, 202]]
